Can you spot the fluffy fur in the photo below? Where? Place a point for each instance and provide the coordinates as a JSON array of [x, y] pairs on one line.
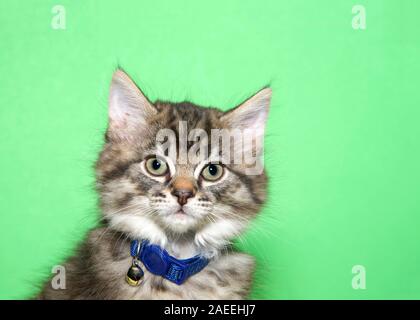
[[136, 204]]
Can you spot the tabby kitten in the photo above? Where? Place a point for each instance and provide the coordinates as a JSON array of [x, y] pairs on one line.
[[186, 209]]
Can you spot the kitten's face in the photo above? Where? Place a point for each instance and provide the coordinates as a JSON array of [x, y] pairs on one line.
[[148, 192]]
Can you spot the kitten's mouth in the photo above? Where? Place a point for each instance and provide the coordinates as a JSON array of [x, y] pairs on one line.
[[181, 215]]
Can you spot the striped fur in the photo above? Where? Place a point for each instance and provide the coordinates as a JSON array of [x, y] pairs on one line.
[[137, 205]]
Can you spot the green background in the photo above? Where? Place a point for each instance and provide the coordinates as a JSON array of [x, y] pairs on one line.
[[342, 146]]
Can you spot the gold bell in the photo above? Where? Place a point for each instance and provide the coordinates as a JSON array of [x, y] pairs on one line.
[[134, 274]]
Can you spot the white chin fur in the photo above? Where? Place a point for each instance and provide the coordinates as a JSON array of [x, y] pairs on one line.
[[179, 222], [208, 241], [138, 227]]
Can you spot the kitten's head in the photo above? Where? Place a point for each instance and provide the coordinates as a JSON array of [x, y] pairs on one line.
[[148, 191]]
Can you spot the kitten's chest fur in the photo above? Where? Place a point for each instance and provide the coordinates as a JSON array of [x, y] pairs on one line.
[[98, 272]]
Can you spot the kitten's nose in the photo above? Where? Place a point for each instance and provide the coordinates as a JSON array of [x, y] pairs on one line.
[[183, 189], [183, 195]]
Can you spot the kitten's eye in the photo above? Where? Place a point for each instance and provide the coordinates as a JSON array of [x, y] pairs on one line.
[[212, 172], [156, 167]]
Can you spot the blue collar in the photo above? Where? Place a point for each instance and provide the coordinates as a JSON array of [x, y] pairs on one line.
[[159, 262]]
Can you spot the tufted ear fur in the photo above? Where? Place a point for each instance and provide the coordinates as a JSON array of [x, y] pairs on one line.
[[128, 108], [250, 117]]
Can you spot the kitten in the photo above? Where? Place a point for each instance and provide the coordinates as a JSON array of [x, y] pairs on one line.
[[186, 209]]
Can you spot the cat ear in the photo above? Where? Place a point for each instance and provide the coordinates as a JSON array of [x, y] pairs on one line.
[[129, 109], [251, 116]]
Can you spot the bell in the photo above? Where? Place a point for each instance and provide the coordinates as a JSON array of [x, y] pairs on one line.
[[134, 274]]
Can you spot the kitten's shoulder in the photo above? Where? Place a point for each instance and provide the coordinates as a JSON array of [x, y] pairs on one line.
[[85, 276], [236, 260], [231, 273]]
